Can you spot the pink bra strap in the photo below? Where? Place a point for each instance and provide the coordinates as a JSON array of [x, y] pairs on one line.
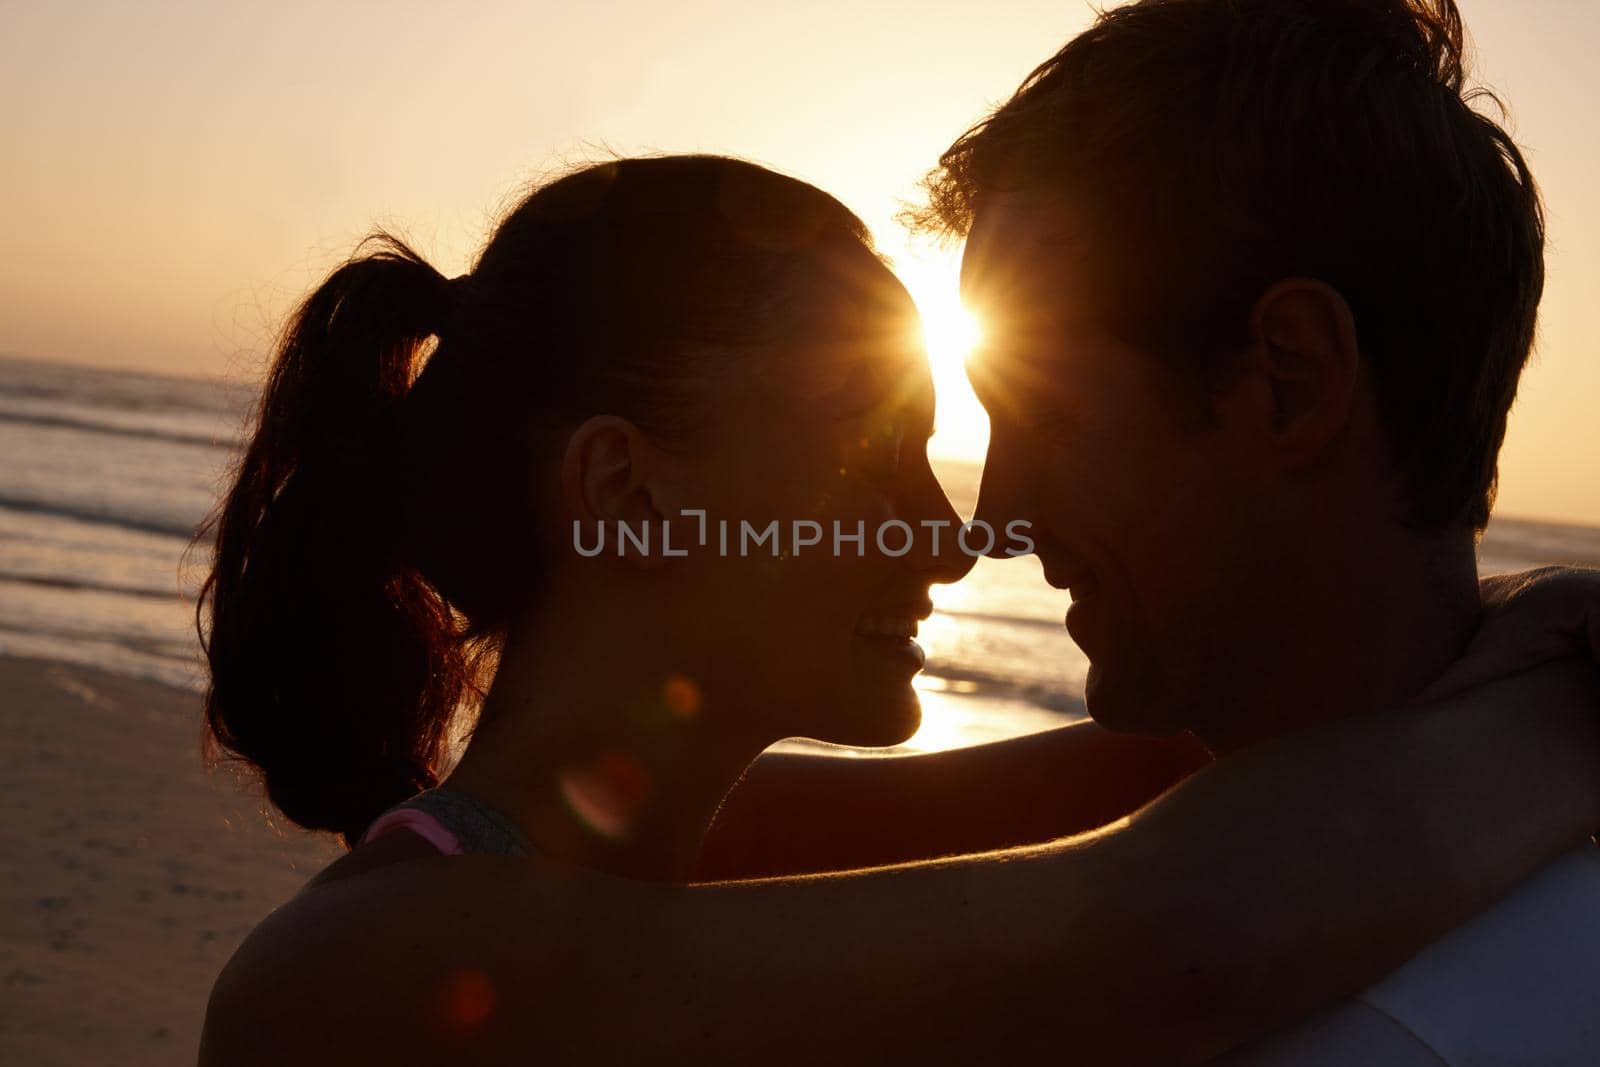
[[420, 823]]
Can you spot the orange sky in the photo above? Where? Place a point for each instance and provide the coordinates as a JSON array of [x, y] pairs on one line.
[[176, 174]]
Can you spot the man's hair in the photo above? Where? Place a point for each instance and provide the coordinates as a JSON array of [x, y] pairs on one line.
[[1216, 146]]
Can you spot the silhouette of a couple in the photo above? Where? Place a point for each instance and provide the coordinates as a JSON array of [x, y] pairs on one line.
[[1257, 286]]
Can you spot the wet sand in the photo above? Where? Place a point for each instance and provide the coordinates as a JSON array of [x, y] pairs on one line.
[[128, 872]]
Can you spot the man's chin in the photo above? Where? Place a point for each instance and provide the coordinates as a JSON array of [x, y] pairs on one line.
[[1128, 704]]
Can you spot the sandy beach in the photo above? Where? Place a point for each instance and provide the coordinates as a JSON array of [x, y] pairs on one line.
[[129, 872]]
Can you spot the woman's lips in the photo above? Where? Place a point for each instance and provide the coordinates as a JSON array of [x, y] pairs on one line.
[[901, 650], [884, 625], [891, 635]]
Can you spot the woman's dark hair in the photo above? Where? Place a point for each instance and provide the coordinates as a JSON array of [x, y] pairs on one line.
[[382, 531], [1217, 146]]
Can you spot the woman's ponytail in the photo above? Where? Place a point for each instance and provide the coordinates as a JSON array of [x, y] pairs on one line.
[[335, 668]]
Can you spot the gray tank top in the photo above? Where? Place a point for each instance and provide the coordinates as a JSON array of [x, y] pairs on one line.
[[476, 827]]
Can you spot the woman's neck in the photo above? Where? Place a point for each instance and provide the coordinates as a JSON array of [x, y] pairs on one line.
[[615, 763]]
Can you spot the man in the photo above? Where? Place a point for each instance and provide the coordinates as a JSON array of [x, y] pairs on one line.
[[1257, 286]]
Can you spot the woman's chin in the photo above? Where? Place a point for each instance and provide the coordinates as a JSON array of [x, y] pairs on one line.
[[883, 719]]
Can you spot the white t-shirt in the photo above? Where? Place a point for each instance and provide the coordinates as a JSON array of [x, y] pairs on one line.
[[1519, 984]]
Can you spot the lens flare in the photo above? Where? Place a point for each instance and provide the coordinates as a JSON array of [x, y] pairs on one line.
[[608, 794], [681, 696], [466, 999]]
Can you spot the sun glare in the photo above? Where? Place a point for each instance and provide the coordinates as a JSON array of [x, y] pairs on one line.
[[950, 330], [951, 333]]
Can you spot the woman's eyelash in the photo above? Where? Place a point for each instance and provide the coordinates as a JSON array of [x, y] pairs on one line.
[[893, 448], [883, 447], [1047, 422]]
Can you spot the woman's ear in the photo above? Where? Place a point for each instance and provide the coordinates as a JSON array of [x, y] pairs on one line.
[[608, 481], [1305, 365]]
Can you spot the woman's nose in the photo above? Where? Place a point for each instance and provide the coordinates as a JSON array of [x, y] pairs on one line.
[[940, 556]]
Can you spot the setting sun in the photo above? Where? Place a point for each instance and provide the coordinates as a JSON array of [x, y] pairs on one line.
[[951, 333]]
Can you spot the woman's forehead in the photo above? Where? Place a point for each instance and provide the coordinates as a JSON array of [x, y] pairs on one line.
[[850, 341], [846, 375]]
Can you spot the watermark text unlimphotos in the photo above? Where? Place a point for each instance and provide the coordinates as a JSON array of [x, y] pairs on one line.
[[893, 537]]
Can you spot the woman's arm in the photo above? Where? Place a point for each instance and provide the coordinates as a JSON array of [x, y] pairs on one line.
[[1295, 872], [1529, 618], [797, 813]]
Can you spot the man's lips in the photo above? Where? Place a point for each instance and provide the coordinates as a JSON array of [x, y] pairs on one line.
[[1080, 583]]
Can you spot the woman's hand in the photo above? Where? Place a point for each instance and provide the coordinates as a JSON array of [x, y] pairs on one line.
[[1530, 618]]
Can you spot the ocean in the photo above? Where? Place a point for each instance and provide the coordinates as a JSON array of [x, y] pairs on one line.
[[104, 476]]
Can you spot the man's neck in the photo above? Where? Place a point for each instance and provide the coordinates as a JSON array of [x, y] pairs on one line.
[[1367, 631]]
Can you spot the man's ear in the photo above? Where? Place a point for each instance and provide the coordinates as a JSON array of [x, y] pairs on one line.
[[1303, 368], [607, 479]]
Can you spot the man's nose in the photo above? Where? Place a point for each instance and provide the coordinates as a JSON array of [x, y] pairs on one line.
[[1003, 501]]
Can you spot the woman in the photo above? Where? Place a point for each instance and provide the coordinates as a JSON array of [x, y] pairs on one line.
[[680, 347]]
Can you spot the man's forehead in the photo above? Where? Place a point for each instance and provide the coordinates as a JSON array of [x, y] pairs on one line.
[[1015, 237]]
